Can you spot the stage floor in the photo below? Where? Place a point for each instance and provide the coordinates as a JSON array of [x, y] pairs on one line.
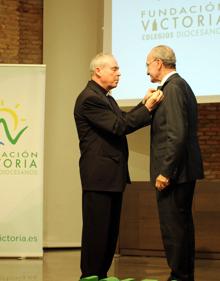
[[63, 265]]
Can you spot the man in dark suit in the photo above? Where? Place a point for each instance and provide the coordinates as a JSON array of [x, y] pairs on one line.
[[102, 127], [175, 161]]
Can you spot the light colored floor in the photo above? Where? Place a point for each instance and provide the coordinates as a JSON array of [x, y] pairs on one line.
[[63, 265]]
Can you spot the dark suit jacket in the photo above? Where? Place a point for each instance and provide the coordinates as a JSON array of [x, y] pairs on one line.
[[102, 127], [175, 151]]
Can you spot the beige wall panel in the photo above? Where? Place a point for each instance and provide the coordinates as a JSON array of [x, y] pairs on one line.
[[72, 36]]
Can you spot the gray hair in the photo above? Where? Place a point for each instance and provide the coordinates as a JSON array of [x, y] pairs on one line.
[[99, 60], [166, 54]]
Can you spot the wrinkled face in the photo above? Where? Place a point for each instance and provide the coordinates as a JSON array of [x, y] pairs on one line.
[[153, 68], [109, 74]]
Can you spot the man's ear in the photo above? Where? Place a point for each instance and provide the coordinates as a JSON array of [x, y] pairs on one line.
[[98, 71], [160, 63]]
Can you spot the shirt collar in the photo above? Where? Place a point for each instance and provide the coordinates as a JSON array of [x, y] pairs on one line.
[[166, 77]]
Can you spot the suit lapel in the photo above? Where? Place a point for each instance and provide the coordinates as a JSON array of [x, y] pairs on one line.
[[114, 105], [100, 92], [168, 80], [108, 99]]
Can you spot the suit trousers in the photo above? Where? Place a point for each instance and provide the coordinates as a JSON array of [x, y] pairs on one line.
[[177, 228], [101, 219]]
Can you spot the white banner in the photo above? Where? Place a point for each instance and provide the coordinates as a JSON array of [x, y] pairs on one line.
[[22, 99], [21, 270]]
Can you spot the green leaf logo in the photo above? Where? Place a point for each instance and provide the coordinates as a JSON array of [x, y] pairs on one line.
[[9, 123]]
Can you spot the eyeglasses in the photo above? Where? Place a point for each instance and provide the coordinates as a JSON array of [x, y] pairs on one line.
[[148, 63]]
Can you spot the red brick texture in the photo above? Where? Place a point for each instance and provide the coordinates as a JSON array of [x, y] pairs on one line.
[[209, 138], [21, 31]]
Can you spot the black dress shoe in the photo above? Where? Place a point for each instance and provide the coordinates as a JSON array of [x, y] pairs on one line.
[[171, 278], [102, 277]]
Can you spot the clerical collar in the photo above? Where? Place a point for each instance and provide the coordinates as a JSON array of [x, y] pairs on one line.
[[104, 91]]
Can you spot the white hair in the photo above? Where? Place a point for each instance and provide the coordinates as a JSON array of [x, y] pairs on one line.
[[99, 60]]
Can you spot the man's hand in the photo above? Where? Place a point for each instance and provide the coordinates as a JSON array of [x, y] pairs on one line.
[[149, 93], [153, 98], [162, 182]]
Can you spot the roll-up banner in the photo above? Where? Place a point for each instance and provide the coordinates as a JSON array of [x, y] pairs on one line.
[[22, 100]]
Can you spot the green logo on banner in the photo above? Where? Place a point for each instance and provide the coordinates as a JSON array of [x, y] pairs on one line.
[[9, 124]]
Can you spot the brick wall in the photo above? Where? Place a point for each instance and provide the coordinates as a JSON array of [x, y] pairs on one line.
[[21, 31], [209, 137], [21, 41]]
